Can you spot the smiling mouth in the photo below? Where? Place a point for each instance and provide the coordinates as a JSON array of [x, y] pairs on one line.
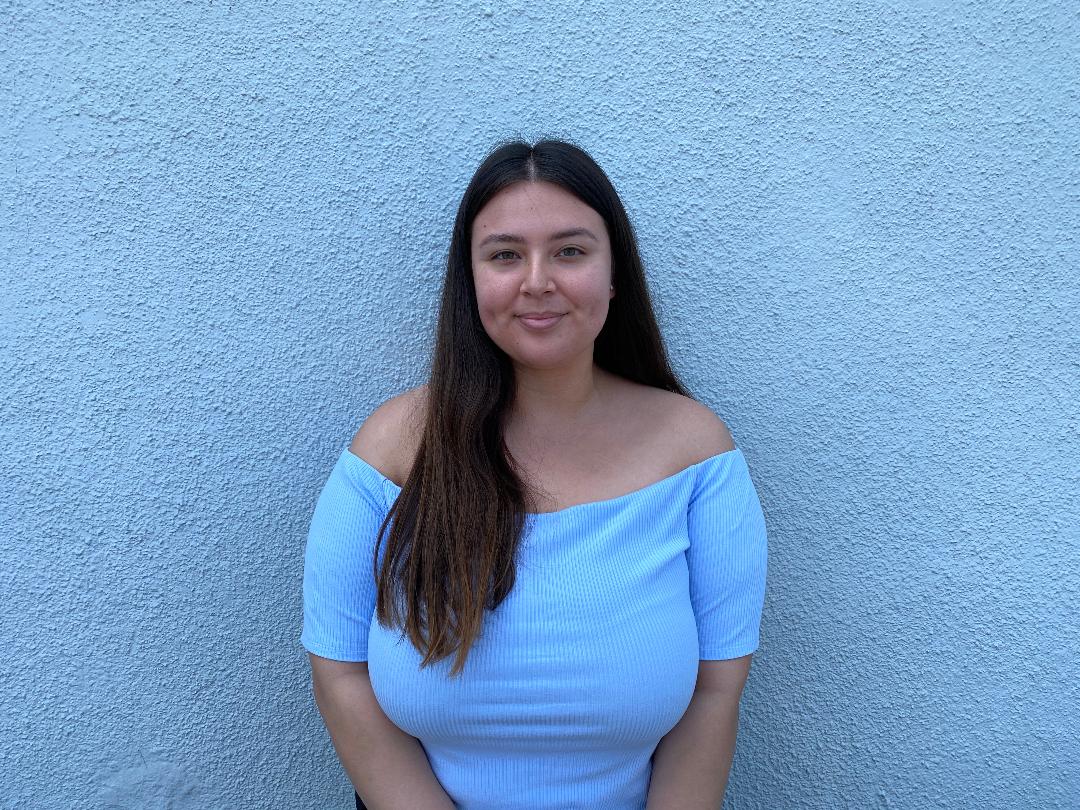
[[540, 321]]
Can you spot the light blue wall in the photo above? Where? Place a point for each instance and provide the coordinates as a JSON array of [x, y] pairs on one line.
[[222, 231]]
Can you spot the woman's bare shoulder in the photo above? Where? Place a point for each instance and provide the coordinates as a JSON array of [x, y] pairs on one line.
[[669, 425], [693, 427], [389, 438]]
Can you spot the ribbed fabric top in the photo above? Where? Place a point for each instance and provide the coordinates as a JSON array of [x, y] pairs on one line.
[[590, 660]]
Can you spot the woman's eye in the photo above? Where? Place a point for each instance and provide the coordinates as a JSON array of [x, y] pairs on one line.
[[577, 251], [503, 255]]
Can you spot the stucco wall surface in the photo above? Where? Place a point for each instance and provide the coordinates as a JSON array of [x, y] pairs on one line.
[[222, 230]]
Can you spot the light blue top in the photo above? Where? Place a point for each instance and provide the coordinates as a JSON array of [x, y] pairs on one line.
[[589, 661]]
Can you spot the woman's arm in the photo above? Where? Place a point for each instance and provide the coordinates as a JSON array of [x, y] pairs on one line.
[[388, 767], [691, 763]]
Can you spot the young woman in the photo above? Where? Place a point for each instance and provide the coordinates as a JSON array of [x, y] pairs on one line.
[[536, 580]]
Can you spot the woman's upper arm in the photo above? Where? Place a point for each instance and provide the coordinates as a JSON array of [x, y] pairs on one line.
[[339, 560], [725, 677], [326, 672]]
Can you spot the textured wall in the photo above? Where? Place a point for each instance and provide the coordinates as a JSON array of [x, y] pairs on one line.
[[222, 228]]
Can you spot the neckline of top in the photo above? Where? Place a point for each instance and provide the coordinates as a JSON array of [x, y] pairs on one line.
[[579, 506]]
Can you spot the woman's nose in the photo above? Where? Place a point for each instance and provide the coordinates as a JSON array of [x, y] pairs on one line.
[[537, 275]]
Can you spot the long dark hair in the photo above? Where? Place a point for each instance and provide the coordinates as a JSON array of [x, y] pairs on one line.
[[455, 526]]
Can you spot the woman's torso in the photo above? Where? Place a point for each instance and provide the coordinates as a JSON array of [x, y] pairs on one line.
[[593, 656]]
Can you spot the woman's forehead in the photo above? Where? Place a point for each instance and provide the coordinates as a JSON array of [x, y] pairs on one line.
[[534, 210]]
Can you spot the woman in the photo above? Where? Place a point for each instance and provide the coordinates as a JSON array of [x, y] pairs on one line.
[[536, 580]]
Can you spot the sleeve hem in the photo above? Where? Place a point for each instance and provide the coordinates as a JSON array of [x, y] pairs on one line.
[[335, 653], [727, 653]]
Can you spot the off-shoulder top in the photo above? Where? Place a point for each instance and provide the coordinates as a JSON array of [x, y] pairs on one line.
[[590, 660]]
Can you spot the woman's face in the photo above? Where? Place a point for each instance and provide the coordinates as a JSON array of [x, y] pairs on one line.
[[536, 248]]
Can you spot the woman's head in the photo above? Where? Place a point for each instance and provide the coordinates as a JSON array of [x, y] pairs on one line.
[[540, 192], [542, 272]]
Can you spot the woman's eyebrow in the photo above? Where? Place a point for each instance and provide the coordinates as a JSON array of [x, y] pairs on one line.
[[500, 237], [511, 237], [574, 232]]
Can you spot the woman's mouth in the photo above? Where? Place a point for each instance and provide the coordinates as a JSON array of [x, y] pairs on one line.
[[540, 322]]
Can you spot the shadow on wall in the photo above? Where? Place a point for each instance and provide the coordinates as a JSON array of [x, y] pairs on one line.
[[153, 785]]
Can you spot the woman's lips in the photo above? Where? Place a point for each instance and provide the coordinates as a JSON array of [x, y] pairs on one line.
[[532, 322]]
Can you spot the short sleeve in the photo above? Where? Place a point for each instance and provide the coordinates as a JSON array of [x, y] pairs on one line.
[[339, 585], [727, 558]]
